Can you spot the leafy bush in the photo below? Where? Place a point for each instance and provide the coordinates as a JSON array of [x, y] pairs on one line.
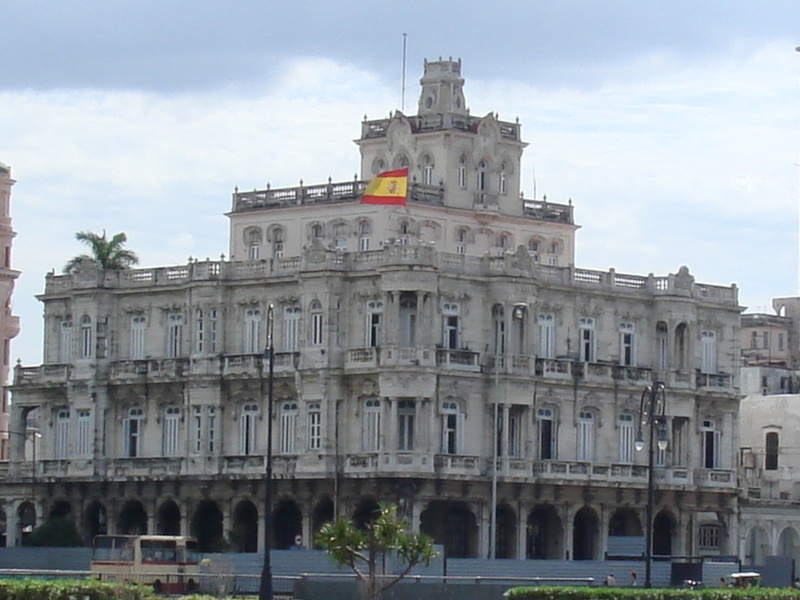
[[55, 532], [604, 593]]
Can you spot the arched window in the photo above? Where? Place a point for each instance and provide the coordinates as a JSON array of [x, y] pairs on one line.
[[316, 231], [277, 242], [315, 311], [62, 434], [502, 180], [65, 342], [481, 180], [585, 436], [462, 172], [364, 231], [253, 242], [291, 328], [170, 435]]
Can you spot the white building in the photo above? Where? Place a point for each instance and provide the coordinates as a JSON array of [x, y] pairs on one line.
[[424, 353]]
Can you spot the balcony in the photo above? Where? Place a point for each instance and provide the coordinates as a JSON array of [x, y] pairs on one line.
[[455, 465], [718, 381], [369, 464], [458, 360]]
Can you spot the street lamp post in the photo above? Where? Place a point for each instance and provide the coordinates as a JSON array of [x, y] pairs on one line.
[[265, 589], [651, 415]]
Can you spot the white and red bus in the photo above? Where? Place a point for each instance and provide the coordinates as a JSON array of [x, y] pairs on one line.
[[170, 563]]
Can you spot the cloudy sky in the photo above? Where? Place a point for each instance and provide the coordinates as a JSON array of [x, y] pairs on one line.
[[674, 126]]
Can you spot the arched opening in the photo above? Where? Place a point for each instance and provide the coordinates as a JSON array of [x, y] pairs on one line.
[[365, 513], [95, 521], [544, 534], [663, 532], [287, 523], [206, 527], [789, 543], [323, 513], [132, 519], [757, 548], [506, 536], [26, 519], [625, 522], [244, 534], [585, 535], [453, 525], [168, 519]]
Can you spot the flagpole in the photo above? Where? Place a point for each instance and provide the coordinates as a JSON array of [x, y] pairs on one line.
[[403, 79]]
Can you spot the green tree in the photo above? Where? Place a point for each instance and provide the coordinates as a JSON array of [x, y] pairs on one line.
[[365, 551], [105, 253], [55, 532]]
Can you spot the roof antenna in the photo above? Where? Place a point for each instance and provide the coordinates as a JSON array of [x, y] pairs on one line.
[[403, 81], [534, 182]]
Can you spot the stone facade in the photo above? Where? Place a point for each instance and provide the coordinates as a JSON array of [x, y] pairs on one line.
[[445, 355], [9, 324]]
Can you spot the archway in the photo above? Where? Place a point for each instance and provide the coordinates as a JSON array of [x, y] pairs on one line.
[[664, 525], [585, 535], [26, 521], [206, 527], [757, 548], [453, 525], [168, 518], [625, 522], [365, 513], [789, 543], [506, 536], [61, 510], [95, 521], [544, 534], [323, 513], [132, 519], [287, 523], [244, 534]]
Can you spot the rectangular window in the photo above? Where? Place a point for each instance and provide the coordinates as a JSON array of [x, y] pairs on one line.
[[772, 451], [132, 433], [626, 439], [314, 426], [374, 323], [199, 332], [371, 426], [252, 331], [138, 328], [291, 328], [780, 342], [708, 358], [452, 429], [627, 354], [363, 244], [547, 434], [662, 348], [586, 437], [765, 340], [170, 433], [174, 335], [86, 337], [197, 429], [62, 434], [586, 341], [84, 439], [711, 441], [316, 328], [213, 333], [515, 421], [288, 427], [248, 421], [547, 336], [708, 537], [211, 429], [408, 319], [406, 410]]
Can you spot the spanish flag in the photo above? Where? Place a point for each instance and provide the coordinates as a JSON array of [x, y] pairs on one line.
[[389, 187]]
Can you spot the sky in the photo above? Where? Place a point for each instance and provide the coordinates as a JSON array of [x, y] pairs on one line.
[[673, 126]]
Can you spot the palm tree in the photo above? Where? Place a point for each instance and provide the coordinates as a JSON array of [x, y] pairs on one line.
[[106, 254]]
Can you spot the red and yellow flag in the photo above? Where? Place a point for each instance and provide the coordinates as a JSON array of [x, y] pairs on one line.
[[389, 187]]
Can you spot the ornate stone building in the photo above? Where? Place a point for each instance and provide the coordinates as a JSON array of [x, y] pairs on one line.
[[446, 355], [9, 324]]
